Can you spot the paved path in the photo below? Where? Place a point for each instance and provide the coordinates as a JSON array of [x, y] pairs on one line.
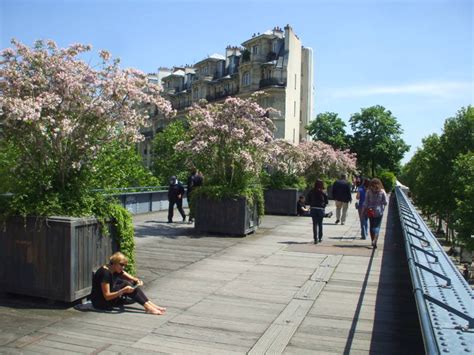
[[270, 292]]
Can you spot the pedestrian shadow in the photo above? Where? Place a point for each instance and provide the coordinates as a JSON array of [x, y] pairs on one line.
[[290, 242], [352, 246]]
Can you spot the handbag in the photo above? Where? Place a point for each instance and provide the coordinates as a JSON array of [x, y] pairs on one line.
[[370, 213]]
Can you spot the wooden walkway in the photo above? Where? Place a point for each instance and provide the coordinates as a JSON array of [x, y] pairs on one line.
[[272, 292]]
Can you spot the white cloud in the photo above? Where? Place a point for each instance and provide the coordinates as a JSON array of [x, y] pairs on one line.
[[446, 89]]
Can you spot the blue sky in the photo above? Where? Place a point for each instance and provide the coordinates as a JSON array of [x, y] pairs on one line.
[[414, 57]]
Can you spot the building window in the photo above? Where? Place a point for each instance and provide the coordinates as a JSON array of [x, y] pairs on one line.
[[295, 81], [294, 108], [275, 47], [246, 79], [255, 50]]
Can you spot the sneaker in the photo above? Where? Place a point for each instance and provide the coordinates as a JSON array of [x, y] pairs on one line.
[[315, 241], [329, 215], [170, 221], [342, 223], [320, 240], [337, 221]]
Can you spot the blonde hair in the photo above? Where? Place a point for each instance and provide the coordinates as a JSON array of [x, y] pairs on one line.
[[118, 258]]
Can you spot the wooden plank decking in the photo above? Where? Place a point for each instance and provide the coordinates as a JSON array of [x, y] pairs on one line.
[[271, 292]]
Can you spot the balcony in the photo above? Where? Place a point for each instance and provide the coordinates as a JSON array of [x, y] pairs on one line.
[[271, 82], [220, 95]]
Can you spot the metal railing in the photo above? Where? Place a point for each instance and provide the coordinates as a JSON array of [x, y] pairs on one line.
[[445, 301]]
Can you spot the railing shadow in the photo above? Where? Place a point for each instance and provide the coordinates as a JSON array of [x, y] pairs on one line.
[[396, 327], [396, 318]]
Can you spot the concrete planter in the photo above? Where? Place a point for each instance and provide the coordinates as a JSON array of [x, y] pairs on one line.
[[52, 257], [232, 217], [281, 201]]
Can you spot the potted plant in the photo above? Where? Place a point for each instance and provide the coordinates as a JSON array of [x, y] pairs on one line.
[[283, 178], [57, 115], [229, 144]]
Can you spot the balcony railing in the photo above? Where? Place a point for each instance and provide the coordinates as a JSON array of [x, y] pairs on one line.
[[220, 95], [271, 82]]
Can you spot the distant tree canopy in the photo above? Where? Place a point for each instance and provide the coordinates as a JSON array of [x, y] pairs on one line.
[[329, 128], [377, 140], [441, 174], [167, 161]]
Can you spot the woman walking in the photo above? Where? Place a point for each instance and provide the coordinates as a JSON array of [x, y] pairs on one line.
[[374, 205], [318, 200], [361, 192]]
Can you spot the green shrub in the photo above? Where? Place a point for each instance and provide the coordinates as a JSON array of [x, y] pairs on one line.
[[167, 161], [388, 180], [280, 180]]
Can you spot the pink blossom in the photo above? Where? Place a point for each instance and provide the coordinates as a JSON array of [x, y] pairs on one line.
[[56, 104]]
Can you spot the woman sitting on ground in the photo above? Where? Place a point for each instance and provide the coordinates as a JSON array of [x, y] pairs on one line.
[[110, 283]]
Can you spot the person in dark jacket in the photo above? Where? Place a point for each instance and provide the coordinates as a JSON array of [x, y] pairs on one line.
[[175, 196], [341, 191], [194, 180], [318, 200]]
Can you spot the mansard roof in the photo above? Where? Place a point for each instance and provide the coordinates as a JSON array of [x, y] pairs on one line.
[[214, 57]]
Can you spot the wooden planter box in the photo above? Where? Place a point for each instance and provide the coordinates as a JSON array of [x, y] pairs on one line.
[[52, 257], [281, 202], [228, 216]]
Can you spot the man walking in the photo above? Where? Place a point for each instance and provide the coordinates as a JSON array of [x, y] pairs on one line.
[[194, 180], [341, 191], [175, 196]]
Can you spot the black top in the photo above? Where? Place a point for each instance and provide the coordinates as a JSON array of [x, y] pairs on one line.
[[317, 198], [299, 208], [174, 191], [194, 180], [341, 191], [97, 296]]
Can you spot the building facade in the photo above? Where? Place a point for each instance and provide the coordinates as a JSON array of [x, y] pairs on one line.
[[274, 62]]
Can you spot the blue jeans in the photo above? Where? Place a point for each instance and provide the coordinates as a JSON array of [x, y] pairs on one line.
[[317, 215], [363, 223], [375, 223]]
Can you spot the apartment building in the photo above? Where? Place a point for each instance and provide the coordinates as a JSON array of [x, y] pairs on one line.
[[274, 62]]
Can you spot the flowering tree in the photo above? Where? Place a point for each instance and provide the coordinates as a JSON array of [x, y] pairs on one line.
[[229, 140], [286, 166], [327, 161], [59, 112]]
